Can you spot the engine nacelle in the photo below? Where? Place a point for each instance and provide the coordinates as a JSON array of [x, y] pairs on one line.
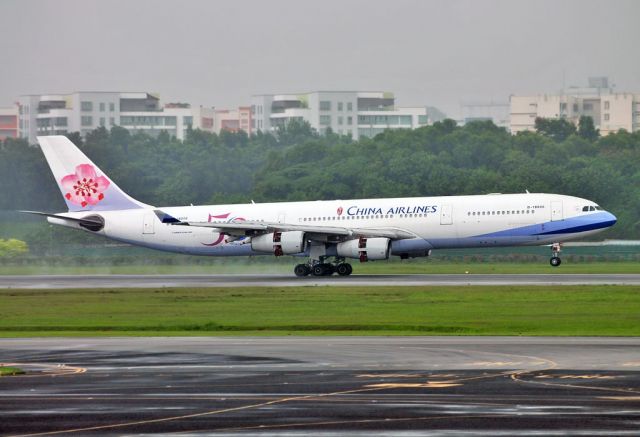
[[365, 249], [279, 243]]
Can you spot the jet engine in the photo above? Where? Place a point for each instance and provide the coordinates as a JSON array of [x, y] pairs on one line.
[[365, 249], [280, 243]]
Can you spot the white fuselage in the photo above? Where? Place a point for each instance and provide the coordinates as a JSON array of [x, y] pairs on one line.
[[436, 222]]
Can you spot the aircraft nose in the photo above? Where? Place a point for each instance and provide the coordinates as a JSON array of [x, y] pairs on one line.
[[609, 219]]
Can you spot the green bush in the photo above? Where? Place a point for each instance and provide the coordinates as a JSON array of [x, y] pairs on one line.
[[12, 248]]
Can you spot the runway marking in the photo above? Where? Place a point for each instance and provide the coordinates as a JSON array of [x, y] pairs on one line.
[[354, 422], [428, 384], [241, 408], [205, 413], [620, 398], [596, 376], [496, 363], [516, 378], [391, 375], [310, 397]]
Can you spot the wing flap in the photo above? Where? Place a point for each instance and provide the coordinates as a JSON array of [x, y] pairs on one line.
[[260, 227]]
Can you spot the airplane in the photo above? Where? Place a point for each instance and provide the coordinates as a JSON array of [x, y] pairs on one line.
[[326, 232]]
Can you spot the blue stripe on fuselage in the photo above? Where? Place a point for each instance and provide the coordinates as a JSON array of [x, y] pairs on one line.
[[599, 220]]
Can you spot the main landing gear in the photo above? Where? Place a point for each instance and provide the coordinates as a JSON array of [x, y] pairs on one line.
[[324, 268], [555, 260]]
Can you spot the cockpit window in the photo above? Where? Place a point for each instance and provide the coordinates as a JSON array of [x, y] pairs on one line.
[[592, 208]]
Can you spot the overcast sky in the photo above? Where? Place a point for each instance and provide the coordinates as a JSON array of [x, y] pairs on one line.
[[219, 53]]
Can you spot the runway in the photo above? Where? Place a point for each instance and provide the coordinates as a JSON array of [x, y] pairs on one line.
[[328, 386], [262, 280]]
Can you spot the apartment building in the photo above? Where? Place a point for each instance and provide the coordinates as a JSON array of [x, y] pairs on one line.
[[59, 114], [355, 113], [610, 111], [233, 120], [9, 122]]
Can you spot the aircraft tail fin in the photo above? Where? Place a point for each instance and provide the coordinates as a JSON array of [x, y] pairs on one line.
[[82, 184]]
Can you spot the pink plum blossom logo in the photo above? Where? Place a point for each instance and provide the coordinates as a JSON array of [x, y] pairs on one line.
[[84, 187]]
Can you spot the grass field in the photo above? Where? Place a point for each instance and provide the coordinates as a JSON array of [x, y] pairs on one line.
[[517, 310], [10, 371]]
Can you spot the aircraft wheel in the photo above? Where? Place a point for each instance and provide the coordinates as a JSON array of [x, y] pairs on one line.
[[301, 270], [329, 269], [344, 269], [555, 261], [318, 270]]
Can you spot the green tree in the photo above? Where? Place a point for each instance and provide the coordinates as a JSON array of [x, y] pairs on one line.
[[557, 129], [294, 132], [586, 128]]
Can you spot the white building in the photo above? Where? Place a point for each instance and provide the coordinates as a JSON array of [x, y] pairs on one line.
[[345, 112], [610, 111], [58, 114], [497, 112]]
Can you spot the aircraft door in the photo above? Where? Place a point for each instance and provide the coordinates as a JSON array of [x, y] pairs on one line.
[[282, 217], [147, 224], [446, 215], [556, 210]]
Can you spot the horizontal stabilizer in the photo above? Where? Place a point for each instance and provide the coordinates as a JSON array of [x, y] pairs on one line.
[[92, 222]]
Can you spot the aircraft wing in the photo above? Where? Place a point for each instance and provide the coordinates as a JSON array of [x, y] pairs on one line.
[[250, 228]]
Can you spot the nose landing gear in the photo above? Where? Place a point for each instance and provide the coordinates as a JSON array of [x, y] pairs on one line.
[[555, 260]]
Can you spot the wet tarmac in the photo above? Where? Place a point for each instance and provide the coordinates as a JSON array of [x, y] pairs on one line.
[[153, 281], [322, 386]]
